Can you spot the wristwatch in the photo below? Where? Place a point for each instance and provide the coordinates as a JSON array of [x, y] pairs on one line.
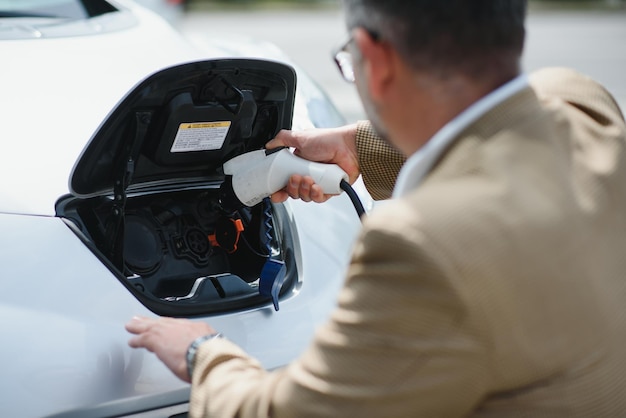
[[193, 348]]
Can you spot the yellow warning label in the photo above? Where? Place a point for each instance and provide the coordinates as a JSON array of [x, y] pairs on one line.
[[200, 136], [204, 125]]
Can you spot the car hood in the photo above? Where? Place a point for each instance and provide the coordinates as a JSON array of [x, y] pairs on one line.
[[56, 93]]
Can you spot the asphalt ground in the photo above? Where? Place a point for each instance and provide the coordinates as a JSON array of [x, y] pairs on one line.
[[591, 41]]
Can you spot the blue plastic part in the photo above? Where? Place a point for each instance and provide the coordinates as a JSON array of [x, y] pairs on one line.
[[272, 278]]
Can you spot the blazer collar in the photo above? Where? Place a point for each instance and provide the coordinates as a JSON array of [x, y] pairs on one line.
[[420, 163]]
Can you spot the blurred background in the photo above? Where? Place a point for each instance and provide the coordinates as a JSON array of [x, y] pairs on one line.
[[589, 36]]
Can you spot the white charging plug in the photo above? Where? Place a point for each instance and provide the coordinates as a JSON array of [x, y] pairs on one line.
[[258, 174]]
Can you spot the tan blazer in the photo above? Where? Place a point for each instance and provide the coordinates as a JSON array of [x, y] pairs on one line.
[[497, 288]]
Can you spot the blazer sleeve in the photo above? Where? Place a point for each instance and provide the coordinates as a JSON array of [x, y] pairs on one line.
[[398, 345], [379, 162]]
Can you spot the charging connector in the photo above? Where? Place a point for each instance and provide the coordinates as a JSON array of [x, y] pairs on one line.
[[255, 175]]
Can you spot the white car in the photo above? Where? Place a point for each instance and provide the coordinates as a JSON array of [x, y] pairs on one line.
[[113, 133], [171, 10]]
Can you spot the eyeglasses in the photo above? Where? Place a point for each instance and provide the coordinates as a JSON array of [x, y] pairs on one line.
[[344, 60]]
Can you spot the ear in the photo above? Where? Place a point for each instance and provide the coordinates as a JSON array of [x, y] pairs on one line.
[[377, 63]]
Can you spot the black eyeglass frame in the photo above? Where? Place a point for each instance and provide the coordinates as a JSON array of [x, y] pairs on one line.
[[343, 58]]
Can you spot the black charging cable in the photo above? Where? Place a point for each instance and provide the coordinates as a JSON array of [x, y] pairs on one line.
[[345, 186]]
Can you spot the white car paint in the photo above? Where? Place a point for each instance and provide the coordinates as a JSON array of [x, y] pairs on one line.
[[171, 10], [64, 76]]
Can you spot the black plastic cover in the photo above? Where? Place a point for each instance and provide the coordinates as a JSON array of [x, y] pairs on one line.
[[181, 124]]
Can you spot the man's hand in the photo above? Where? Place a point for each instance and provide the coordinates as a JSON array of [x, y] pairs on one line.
[[168, 338], [334, 146]]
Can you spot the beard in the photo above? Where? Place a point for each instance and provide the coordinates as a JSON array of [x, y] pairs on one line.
[[373, 113]]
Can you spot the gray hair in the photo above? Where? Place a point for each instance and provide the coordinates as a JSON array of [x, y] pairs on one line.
[[444, 35]]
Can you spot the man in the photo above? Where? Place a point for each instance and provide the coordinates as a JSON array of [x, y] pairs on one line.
[[492, 284]]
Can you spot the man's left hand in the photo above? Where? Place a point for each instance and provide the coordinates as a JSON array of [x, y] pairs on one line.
[[168, 338]]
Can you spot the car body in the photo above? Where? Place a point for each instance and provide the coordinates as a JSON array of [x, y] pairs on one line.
[[103, 218], [170, 10]]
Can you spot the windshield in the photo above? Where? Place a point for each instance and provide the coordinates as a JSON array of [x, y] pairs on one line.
[[67, 9]]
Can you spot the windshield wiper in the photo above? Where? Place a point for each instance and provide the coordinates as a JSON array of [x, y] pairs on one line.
[[25, 13]]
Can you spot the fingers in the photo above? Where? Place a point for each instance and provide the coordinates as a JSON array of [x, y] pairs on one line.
[[138, 342], [168, 338], [301, 187], [146, 329], [284, 138], [138, 324], [280, 196], [317, 195]]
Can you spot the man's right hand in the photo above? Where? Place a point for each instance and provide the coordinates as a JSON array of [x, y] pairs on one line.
[[332, 146]]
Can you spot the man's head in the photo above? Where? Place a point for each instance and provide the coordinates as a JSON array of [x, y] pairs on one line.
[[444, 35], [430, 57]]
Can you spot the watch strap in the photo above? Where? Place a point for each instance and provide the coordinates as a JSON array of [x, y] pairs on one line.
[[193, 348]]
